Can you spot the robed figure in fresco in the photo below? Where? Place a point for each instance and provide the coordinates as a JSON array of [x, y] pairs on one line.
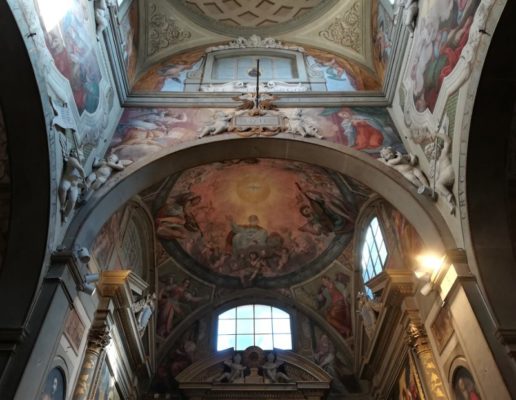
[[333, 300]]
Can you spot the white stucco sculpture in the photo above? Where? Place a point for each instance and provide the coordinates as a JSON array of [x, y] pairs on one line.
[[405, 164], [71, 184], [410, 11], [301, 125], [103, 170], [143, 316], [368, 309], [218, 124], [271, 372], [101, 15], [441, 168]]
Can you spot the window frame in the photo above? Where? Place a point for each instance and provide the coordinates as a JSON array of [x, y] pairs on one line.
[[374, 251], [235, 333]]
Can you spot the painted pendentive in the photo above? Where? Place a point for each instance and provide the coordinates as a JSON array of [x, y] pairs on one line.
[[443, 31], [71, 41]]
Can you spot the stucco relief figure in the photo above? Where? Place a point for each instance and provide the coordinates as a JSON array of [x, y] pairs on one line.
[[101, 15], [333, 299], [405, 164], [301, 125], [174, 299], [143, 316], [368, 310], [103, 170], [234, 371], [218, 124], [410, 11], [71, 184], [272, 370], [441, 170]]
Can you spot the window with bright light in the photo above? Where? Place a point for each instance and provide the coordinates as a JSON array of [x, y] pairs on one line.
[[374, 253], [254, 325]]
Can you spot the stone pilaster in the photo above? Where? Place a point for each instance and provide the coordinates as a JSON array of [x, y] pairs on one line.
[[418, 341], [98, 339]]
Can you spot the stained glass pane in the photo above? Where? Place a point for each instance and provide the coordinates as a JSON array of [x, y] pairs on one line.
[[281, 325], [229, 314], [245, 312], [227, 326], [261, 311], [244, 341], [282, 341], [264, 341], [245, 326], [225, 342], [263, 326], [277, 313]]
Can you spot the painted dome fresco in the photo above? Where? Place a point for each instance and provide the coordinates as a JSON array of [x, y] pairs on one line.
[[256, 222]]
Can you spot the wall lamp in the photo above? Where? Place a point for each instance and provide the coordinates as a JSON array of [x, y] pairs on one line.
[[429, 267], [82, 254], [88, 286], [438, 270]]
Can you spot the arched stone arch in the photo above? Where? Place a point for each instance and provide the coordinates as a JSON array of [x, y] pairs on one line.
[[31, 198], [419, 210]]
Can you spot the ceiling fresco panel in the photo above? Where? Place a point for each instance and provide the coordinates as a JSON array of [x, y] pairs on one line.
[[70, 39], [256, 222], [143, 132], [442, 32]]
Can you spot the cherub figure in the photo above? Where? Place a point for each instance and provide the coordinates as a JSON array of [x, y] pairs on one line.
[[103, 170], [71, 184], [236, 370], [219, 124], [441, 167], [271, 370], [102, 15], [405, 164], [300, 125]]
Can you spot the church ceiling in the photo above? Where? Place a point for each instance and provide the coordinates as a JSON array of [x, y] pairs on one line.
[[341, 27], [256, 222], [254, 13]]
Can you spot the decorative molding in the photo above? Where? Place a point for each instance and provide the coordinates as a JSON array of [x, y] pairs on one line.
[[345, 30], [245, 87], [254, 41], [164, 31]]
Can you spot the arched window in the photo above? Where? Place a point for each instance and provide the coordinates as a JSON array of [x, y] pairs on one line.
[[254, 325], [374, 253]]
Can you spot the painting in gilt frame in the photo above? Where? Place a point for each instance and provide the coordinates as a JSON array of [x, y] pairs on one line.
[[464, 387], [55, 385]]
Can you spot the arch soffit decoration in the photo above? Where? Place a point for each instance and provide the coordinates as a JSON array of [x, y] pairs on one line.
[[419, 211]]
